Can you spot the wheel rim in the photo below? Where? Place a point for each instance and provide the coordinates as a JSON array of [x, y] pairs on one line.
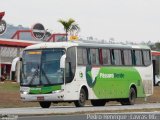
[[133, 96], [82, 97]]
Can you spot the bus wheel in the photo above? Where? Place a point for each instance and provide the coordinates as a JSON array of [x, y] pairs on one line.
[[45, 104], [82, 99], [124, 102], [131, 99], [98, 102]]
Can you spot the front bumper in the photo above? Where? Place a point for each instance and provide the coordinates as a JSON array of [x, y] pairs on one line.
[[42, 97]]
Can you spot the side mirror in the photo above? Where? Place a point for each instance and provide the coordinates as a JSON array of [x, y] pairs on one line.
[[20, 59], [62, 61]]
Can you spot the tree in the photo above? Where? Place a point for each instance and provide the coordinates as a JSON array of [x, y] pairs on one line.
[[157, 45], [69, 26]]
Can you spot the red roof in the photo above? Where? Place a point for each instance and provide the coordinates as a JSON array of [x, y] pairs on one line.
[[1, 15], [155, 53], [16, 43]]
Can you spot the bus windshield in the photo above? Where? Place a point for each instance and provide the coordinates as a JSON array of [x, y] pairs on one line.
[[42, 67]]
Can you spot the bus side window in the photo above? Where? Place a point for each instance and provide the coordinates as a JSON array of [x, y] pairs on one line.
[[106, 58], [146, 57], [70, 64], [82, 56], [94, 54], [127, 58], [138, 57], [116, 57], [85, 58]]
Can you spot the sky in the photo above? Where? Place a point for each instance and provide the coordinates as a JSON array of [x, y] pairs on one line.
[[123, 20]]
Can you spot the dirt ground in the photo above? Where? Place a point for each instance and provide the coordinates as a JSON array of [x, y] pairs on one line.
[[10, 97]]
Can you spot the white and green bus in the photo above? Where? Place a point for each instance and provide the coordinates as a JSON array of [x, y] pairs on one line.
[[76, 72]]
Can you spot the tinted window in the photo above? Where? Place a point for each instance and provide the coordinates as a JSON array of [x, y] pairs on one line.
[[94, 56], [82, 56], [70, 64], [116, 57], [106, 57], [146, 57], [137, 57], [85, 60], [127, 57]]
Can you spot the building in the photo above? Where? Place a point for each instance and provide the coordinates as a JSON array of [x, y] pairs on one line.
[[10, 49]]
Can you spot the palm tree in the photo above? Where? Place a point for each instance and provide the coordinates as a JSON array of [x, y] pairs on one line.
[[69, 26]]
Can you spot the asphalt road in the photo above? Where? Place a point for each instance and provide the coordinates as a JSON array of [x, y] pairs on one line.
[[55, 117], [71, 109], [98, 116]]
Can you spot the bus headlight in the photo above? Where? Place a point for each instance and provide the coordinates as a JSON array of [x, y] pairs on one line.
[[24, 90], [58, 91]]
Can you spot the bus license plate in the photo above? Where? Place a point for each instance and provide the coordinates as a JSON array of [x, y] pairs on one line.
[[40, 98]]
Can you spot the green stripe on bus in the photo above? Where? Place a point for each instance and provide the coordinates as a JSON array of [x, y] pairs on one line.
[[44, 89]]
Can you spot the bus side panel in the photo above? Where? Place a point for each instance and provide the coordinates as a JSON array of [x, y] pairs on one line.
[[147, 80], [113, 82], [72, 90]]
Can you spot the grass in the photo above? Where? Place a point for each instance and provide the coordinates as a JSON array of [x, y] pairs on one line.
[[10, 97], [9, 86]]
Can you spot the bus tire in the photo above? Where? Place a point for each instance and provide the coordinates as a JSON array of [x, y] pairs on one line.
[[98, 102], [124, 102], [131, 99], [45, 104], [82, 98]]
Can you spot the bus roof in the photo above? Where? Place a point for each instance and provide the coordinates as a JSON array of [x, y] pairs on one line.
[[70, 44]]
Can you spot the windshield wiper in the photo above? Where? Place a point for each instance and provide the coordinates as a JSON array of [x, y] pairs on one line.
[[35, 73], [45, 76]]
